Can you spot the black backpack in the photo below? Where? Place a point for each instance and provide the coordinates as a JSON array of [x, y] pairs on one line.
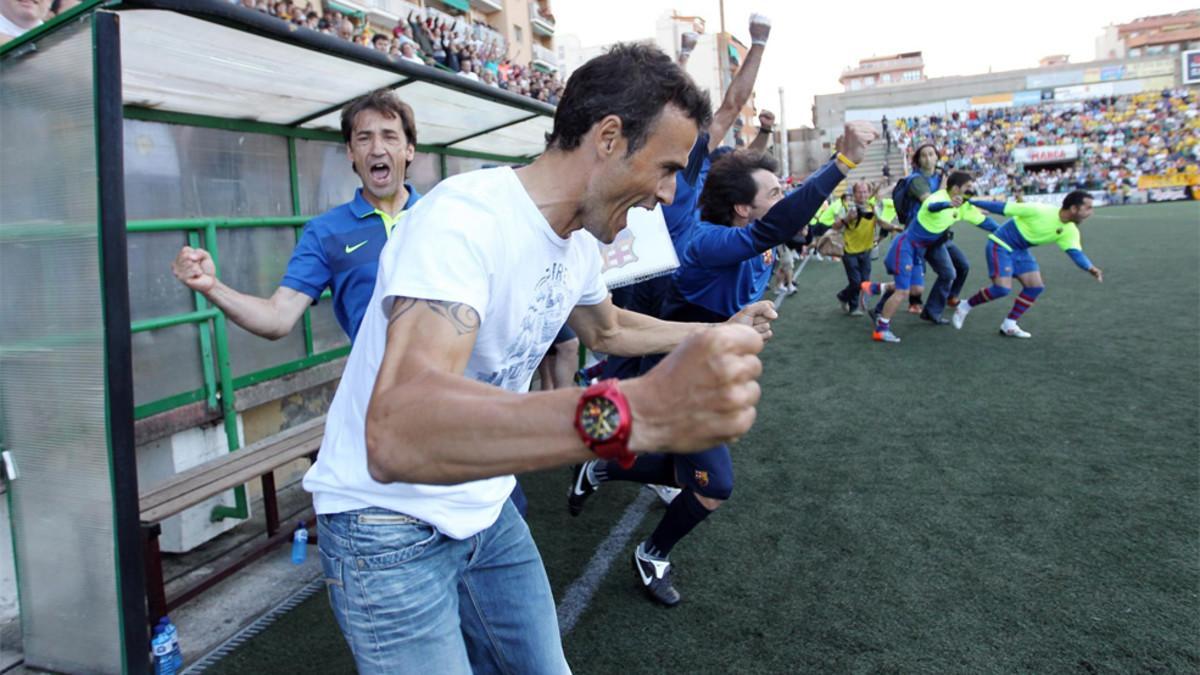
[[902, 200]]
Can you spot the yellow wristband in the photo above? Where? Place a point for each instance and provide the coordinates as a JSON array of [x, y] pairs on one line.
[[846, 160]]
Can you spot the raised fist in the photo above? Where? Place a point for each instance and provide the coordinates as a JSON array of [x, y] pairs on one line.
[[766, 120], [702, 394], [760, 28], [855, 138], [194, 267], [687, 42]]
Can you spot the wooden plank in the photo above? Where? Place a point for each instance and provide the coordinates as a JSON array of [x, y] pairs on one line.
[[211, 478]]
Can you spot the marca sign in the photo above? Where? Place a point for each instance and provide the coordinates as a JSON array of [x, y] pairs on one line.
[[1046, 154]]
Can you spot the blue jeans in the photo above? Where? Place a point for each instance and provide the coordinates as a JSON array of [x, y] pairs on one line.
[[939, 260], [961, 269], [858, 270], [411, 600]]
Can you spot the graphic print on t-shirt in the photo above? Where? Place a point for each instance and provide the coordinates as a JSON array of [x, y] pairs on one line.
[[546, 314]]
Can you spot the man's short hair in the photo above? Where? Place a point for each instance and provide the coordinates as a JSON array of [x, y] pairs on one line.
[[958, 179], [386, 103], [1075, 198], [731, 182], [632, 81]]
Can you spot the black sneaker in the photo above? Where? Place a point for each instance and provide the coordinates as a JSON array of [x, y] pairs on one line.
[[581, 488], [939, 321], [654, 575]]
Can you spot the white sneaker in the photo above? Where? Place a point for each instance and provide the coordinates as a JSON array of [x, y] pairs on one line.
[[791, 289], [960, 314], [666, 493], [1011, 329]]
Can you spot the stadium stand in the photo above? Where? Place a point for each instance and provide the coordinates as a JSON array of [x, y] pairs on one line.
[[1118, 140]]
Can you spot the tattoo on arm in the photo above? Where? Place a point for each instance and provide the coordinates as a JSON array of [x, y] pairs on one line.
[[462, 316]]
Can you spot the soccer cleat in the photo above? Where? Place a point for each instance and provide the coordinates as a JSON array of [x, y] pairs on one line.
[[916, 309], [960, 314], [857, 311], [654, 575], [581, 487], [952, 301], [865, 288], [884, 336], [791, 289], [1014, 330], [844, 305], [666, 493]]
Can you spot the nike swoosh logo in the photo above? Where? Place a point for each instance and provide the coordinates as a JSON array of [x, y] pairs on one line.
[[352, 249], [645, 579]]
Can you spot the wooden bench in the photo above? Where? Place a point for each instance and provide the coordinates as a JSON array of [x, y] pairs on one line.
[[199, 483]]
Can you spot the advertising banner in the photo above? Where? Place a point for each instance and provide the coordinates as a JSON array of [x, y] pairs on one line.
[[1048, 154]]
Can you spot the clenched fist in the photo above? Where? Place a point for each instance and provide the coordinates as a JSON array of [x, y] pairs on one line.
[[702, 394], [855, 138], [760, 29], [758, 316], [195, 268], [766, 120]]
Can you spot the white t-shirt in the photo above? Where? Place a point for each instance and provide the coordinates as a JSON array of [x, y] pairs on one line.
[[476, 238]]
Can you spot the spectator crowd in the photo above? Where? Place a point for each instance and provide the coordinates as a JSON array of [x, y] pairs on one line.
[[1118, 140], [473, 50]]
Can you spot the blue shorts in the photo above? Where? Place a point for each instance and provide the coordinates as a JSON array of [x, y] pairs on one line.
[[708, 473], [905, 262], [564, 334], [1005, 263]]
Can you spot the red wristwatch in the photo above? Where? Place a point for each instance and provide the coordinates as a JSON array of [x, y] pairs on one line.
[[603, 421]]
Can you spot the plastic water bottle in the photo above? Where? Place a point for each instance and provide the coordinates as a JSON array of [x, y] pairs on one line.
[[300, 544], [164, 664], [172, 632]]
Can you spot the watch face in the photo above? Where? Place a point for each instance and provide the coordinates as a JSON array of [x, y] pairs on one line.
[[600, 418]]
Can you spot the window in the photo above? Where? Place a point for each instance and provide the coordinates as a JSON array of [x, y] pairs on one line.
[[1135, 52], [518, 36], [1174, 48], [885, 78]]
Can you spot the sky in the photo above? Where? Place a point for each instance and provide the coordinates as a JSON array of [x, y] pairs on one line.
[[812, 43]]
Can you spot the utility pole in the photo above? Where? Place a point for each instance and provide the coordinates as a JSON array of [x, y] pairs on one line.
[[781, 125], [723, 64]]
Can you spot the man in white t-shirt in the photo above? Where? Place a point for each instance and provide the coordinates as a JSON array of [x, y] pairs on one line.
[[427, 563]]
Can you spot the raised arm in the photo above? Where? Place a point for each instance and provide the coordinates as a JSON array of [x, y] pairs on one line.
[[427, 423], [717, 247], [766, 126], [742, 85], [271, 318], [609, 329]]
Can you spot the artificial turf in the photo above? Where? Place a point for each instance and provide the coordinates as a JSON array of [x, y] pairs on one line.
[[960, 502]]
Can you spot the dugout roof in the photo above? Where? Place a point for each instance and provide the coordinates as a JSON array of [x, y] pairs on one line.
[[216, 59]]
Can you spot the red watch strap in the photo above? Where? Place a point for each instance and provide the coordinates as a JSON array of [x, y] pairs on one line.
[[615, 448]]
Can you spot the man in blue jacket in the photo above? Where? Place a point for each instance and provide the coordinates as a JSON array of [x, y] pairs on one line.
[[726, 266]]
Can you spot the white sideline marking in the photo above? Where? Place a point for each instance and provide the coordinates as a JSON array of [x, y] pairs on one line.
[[579, 594]]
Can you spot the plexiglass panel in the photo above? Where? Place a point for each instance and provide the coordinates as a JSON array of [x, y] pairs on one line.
[[52, 360], [327, 332], [445, 115], [166, 361], [174, 171], [424, 172], [521, 139], [326, 178], [253, 261], [457, 165]]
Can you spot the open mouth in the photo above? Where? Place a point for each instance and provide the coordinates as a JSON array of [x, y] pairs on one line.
[[380, 172]]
